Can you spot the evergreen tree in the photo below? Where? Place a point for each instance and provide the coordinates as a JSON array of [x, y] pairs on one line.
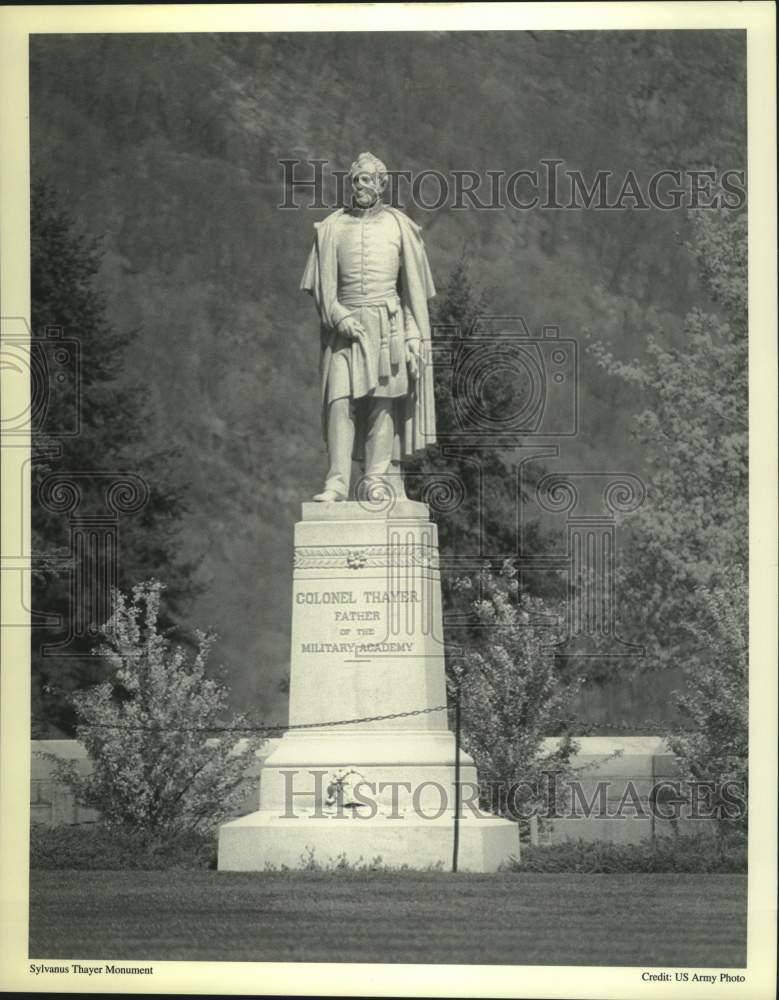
[[484, 521], [109, 412], [481, 523]]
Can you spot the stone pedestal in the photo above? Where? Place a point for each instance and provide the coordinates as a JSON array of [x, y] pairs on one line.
[[367, 641]]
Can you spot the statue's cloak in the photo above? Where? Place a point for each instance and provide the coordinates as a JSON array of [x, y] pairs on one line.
[[416, 411]]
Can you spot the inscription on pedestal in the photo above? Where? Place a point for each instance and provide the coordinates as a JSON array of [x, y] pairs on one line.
[[356, 622]]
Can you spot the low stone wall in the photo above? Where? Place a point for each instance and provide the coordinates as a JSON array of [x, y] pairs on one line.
[[625, 794], [616, 778]]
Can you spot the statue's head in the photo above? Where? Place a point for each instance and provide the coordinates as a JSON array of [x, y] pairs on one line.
[[368, 176]]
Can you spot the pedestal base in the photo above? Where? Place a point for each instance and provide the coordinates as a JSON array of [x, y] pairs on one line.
[[367, 709], [265, 839]]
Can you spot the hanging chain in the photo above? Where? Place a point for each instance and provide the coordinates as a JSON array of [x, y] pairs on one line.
[[267, 728]]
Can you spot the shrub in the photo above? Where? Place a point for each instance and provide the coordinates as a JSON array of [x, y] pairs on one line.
[[716, 750], [164, 762], [97, 847], [513, 695], [697, 854]]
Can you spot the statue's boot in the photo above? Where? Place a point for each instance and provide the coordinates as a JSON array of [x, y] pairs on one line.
[[328, 496]]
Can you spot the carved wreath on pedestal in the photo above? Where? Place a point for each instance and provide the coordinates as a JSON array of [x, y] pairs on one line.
[[366, 557]]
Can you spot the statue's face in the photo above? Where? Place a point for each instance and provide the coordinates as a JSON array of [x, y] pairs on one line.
[[367, 187]]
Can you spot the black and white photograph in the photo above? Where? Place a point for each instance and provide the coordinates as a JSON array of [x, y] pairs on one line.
[[389, 499]]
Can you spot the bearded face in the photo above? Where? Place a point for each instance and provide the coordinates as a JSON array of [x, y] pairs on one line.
[[367, 187]]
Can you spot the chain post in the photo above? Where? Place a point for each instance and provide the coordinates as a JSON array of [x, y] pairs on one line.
[[456, 837]]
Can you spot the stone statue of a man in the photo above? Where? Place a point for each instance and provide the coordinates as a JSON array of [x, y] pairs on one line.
[[370, 278]]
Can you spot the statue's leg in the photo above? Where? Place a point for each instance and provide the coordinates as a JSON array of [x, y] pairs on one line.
[[396, 469], [380, 435], [340, 442]]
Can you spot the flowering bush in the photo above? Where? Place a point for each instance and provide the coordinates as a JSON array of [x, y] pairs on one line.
[[162, 760], [513, 694], [715, 750]]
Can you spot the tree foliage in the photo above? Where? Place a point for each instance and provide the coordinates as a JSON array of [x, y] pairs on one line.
[[685, 588], [111, 413], [483, 523], [693, 525], [143, 132], [160, 764], [715, 749]]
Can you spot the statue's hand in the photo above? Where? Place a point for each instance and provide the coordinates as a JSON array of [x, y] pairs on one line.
[[351, 328], [412, 357]]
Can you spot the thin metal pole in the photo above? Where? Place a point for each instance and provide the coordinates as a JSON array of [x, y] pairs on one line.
[[456, 844]]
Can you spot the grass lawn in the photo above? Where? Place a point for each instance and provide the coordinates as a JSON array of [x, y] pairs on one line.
[[508, 918]]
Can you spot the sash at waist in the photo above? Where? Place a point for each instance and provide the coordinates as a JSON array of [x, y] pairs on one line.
[[389, 349], [355, 302]]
